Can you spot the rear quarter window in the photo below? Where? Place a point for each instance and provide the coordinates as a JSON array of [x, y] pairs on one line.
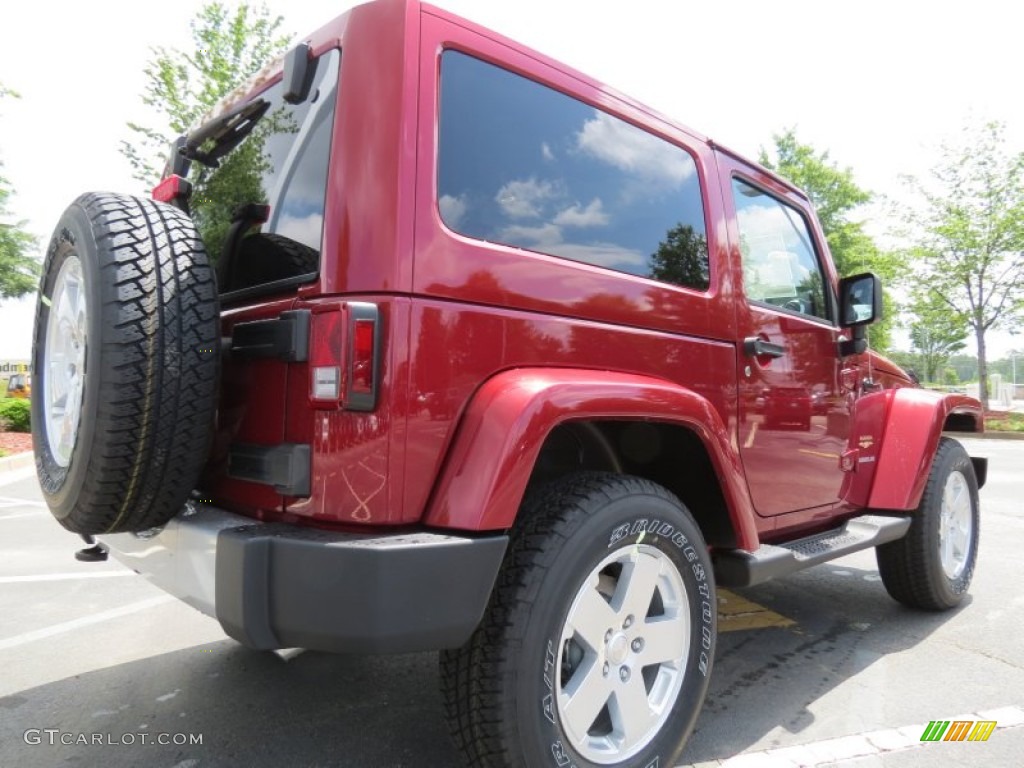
[[527, 166]]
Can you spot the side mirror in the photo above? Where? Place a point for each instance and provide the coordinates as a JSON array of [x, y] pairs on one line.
[[860, 304]]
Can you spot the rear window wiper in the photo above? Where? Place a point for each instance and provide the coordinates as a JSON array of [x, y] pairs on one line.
[[226, 132]]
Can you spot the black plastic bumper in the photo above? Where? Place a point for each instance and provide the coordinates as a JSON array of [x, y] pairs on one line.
[[281, 586]]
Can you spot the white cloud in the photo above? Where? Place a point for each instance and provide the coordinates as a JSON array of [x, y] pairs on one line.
[[524, 198], [547, 238], [600, 254], [305, 229], [453, 209], [543, 237], [634, 151], [592, 216], [546, 152]]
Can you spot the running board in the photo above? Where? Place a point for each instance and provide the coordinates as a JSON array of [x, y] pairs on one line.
[[736, 568]]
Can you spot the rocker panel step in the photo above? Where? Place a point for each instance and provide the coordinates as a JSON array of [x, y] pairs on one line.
[[737, 568]]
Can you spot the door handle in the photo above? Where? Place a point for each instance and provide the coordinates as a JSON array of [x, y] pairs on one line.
[[755, 346]]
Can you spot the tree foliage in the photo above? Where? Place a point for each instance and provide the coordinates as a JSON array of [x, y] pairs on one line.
[[836, 197], [228, 46], [19, 268], [682, 258], [968, 234], [936, 334]]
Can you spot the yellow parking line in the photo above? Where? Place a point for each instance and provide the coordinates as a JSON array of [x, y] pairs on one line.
[[736, 613], [820, 454]]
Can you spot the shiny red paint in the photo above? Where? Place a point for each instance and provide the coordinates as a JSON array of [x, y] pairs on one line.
[[508, 420], [486, 348], [796, 406], [913, 428]]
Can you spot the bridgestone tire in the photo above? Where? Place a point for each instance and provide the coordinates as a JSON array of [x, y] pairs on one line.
[[911, 568], [148, 363], [509, 691]]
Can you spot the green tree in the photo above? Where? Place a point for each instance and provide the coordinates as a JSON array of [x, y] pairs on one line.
[[19, 268], [968, 234], [228, 46], [935, 333], [836, 198], [682, 258]]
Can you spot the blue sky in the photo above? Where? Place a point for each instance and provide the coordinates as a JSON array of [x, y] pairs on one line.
[[878, 84]]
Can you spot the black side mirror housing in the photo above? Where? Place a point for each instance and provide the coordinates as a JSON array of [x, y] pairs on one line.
[[860, 304]]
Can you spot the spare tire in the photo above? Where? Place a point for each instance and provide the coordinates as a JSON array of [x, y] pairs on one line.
[[125, 359]]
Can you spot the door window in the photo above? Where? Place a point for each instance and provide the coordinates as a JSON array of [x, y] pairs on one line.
[[780, 267]]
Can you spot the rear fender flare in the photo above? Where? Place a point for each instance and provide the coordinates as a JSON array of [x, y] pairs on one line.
[[914, 424], [506, 423]]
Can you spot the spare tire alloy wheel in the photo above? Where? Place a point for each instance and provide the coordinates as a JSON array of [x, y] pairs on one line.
[[64, 360], [125, 355], [597, 647]]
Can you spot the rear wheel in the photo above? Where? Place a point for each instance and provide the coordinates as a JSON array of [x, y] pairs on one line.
[[125, 360], [932, 566], [597, 646]]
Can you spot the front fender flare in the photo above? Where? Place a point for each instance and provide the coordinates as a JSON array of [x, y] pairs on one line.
[[914, 424], [501, 434]]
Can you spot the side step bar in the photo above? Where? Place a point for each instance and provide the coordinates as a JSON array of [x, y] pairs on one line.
[[736, 568]]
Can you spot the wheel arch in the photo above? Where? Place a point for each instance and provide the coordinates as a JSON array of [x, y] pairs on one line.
[[517, 419], [915, 422]]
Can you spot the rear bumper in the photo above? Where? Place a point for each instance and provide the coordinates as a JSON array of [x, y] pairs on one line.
[[274, 585]]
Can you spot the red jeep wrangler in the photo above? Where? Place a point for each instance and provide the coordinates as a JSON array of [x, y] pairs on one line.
[[429, 342]]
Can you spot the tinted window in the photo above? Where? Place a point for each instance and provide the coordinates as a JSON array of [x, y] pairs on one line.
[[283, 163], [527, 166], [779, 263]]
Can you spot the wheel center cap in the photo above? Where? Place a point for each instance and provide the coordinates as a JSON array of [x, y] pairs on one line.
[[617, 648]]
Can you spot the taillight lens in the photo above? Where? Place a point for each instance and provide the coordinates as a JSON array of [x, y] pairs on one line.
[[326, 343], [344, 356], [171, 188], [364, 357]]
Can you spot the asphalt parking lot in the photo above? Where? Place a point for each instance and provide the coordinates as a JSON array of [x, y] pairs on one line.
[[821, 668]]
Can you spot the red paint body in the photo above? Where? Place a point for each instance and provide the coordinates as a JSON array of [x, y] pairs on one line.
[[485, 349]]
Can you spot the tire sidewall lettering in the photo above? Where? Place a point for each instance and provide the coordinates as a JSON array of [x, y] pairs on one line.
[[666, 536]]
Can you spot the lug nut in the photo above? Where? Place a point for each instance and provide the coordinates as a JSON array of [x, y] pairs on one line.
[[605, 669], [628, 622], [607, 635], [624, 674], [637, 645]]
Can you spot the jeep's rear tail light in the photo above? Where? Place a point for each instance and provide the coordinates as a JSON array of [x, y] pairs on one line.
[[364, 357], [344, 354], [326, 343]]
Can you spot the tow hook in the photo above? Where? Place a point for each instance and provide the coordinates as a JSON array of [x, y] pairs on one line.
[[94, 553]]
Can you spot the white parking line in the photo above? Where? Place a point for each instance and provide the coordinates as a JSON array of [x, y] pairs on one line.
[[63, 576], [85, 621], [11, 501], [833, 751]]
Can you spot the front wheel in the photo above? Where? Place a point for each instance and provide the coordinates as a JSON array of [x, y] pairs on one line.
[[931, 567], [597, 646]]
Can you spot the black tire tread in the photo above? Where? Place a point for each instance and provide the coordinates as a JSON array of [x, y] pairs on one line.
[[906, 566], [471, 687], [158, 367]]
